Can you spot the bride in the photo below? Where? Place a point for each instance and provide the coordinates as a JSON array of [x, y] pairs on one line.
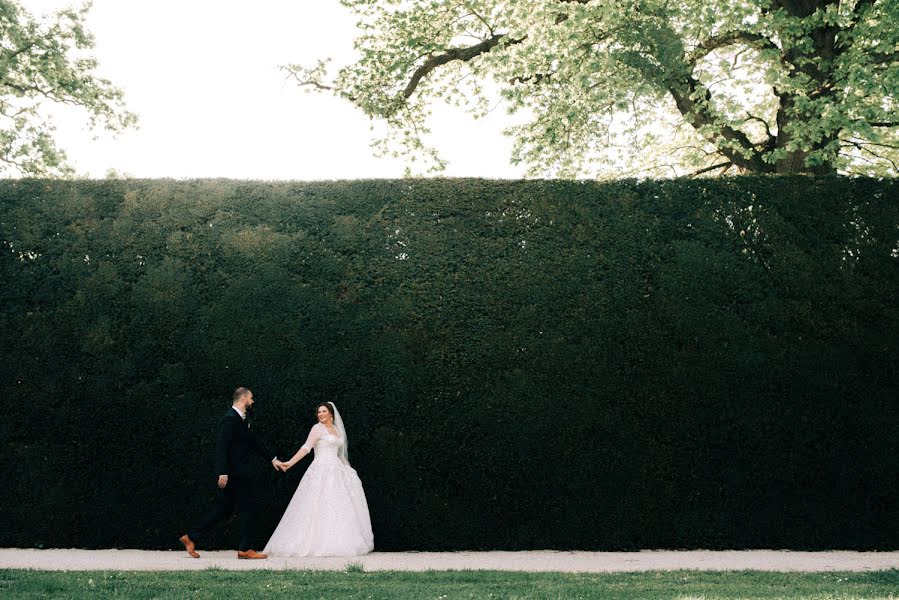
[[328, 514]]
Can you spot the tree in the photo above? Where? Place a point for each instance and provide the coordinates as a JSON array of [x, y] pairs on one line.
[[640, 86], [47, 62]]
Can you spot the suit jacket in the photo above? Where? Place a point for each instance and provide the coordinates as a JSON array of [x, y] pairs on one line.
[[236, 443]]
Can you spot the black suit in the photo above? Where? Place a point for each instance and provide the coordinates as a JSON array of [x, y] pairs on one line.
[[236, 443]]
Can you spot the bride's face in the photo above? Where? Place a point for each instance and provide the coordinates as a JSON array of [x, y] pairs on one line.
[[323, 415]]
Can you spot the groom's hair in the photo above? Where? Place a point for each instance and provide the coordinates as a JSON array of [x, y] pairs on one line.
[[240, 393]]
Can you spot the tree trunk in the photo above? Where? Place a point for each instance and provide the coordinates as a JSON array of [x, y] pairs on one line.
[[824, 43], [794, 163]]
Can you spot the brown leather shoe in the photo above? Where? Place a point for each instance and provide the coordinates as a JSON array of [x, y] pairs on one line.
[[189, 545], [251, 554]]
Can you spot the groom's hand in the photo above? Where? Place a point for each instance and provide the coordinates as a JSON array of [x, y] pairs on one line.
[[279, 466], [223, 481]]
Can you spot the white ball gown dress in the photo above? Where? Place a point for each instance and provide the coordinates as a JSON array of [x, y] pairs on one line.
[[328, 514]]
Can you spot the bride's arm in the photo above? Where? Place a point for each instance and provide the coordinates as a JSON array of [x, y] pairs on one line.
[[297, 457], [306, 448]]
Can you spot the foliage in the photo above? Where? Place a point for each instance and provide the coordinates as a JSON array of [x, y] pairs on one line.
[[651, 87], [521, 365], [448, 584], [44, 62]]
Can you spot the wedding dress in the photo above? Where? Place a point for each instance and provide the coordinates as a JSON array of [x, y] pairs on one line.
[[328, 514]]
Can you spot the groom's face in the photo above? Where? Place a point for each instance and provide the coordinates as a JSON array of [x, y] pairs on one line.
[[248, 400]]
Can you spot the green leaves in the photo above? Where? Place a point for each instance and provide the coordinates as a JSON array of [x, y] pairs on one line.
[[762, 85], [46, 62]]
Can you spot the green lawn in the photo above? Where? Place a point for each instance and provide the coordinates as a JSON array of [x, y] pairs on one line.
[[246, 585]]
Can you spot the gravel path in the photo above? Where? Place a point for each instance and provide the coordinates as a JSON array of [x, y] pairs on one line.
[[763, 560]]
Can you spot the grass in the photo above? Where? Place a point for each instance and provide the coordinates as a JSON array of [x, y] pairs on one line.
[[445, 585]]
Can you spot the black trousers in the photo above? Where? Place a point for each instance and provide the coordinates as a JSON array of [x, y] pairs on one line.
[[237, 494]]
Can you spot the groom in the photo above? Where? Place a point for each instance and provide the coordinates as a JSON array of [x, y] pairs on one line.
[[232, 465]]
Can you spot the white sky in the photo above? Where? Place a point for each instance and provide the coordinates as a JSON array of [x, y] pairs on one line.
[[203, 77]]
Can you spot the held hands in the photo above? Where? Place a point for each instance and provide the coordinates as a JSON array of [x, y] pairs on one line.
[[223, 481]]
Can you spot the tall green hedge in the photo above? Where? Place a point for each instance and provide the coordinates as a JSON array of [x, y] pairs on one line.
[[521, 365]]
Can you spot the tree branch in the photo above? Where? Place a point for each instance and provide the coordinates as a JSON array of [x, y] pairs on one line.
[[311, 82], [463, 54], [862, 6], [725, 165], [21, 167], [484, 21], [311, 77], [49, 94], [880, 58], [19, 51], [862, 146], [698, 114], [14, 115], [771, 137], [535, 78], [859, 143], [713, 43], [650, 169], [694, 102], [886, 158]]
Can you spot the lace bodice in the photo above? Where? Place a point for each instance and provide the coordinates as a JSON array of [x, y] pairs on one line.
[[323, 442], [328, 514]]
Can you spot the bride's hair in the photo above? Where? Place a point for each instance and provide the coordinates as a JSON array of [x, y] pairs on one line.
[[328, 406]]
